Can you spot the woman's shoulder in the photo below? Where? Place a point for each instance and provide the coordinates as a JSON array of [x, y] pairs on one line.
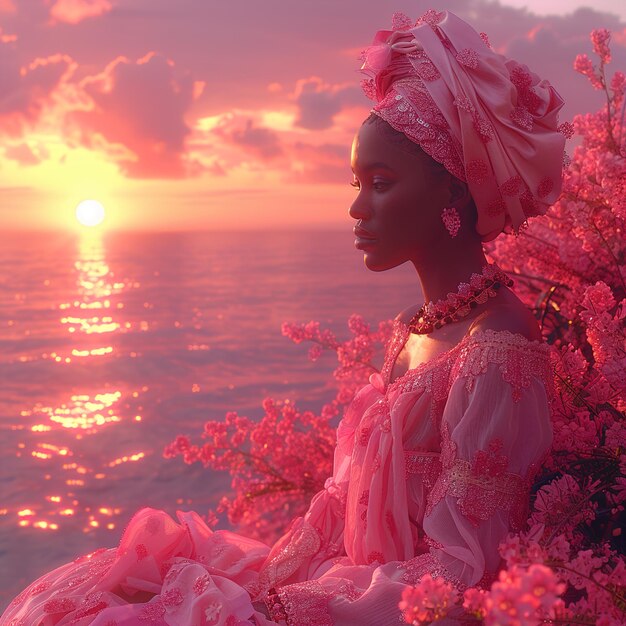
[[507, 314], [407, 314]]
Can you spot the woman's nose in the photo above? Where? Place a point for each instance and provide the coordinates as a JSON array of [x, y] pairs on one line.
[[358, 209]]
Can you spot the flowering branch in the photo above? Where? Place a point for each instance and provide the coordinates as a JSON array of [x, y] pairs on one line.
[[571, 271], [278, 463]]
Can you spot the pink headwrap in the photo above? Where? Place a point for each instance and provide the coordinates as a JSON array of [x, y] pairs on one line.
[[486, 118]]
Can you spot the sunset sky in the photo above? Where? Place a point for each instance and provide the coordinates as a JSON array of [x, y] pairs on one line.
[[204, 114]]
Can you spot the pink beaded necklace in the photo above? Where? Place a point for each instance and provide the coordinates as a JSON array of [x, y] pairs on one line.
[[457, 305]]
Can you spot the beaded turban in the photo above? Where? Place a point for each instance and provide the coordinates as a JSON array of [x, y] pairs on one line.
[[489, 120]]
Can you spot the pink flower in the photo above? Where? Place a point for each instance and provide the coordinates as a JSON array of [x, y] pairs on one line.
[[430, 600], [617, 83], [474, 602], [584, 66], [598, 298], [523, 597], [357, 325], [615, 436], [600, 39], [561, 504], [315, 352]]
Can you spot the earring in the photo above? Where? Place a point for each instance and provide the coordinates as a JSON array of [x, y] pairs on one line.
[[451, 219]]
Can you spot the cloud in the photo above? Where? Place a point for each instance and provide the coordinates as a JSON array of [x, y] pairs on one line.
[[139, 108], [27, 91], [4, 38], [243, 142], [24, 155], [215, 168], [75, 11], [7, 6], [260, 142], [288, 59], [325, 164], [318, 102]]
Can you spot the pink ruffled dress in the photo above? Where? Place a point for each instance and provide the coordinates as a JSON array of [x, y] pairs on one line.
[[431, 471]]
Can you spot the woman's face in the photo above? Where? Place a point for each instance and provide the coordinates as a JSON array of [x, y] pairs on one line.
[[399, 202]]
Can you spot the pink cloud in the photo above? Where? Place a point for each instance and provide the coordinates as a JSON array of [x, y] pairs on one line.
[[262, 143], [318, 102], [4, 38], [7, 6], [23, 154], [27, 91], [75, 11], [142, 112], [326, 163], [215, 168], [140, 107], [239, 138]]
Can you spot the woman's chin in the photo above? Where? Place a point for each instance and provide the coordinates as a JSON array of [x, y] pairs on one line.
[[375, 263]]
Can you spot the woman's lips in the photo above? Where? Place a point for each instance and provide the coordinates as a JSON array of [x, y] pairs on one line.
[[361, 233], [361, 242], [363, 237]]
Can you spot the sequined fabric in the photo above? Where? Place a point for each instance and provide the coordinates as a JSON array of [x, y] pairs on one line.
[[409, 108], [306, 604]]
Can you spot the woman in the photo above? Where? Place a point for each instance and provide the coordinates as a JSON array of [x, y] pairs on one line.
[[435, 456]]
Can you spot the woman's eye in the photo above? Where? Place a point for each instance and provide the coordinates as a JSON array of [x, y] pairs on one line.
[[376, 185]]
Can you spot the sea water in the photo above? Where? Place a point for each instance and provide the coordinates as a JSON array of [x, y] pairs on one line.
[[114, 344]]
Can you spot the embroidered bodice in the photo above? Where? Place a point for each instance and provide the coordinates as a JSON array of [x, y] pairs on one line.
[[425, 411]]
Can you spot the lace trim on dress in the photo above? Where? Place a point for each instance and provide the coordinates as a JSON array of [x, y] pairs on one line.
[[399, 335], [306, 604], [519, 359], [426, 464], [303, 543], [481, 487], [432, 377], [419, 566]]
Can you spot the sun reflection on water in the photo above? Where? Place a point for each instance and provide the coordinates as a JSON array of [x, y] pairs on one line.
[[69, 437], [96, 287]]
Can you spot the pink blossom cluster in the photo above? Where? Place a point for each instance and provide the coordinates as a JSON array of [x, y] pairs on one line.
[[430, 600], [584, 66], [277, 464], [600, 39], [522, 596], [354, 355], [571, 271], [592, 579]]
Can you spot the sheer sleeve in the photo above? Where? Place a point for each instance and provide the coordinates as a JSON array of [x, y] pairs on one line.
[[487, 406], [495, 430]]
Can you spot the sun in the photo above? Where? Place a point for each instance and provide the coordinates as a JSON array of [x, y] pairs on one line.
[[90, 213]]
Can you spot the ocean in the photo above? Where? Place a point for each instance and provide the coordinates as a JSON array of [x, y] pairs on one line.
[[113, 344]]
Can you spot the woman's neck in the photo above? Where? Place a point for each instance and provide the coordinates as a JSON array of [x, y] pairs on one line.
[[440, 276]]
